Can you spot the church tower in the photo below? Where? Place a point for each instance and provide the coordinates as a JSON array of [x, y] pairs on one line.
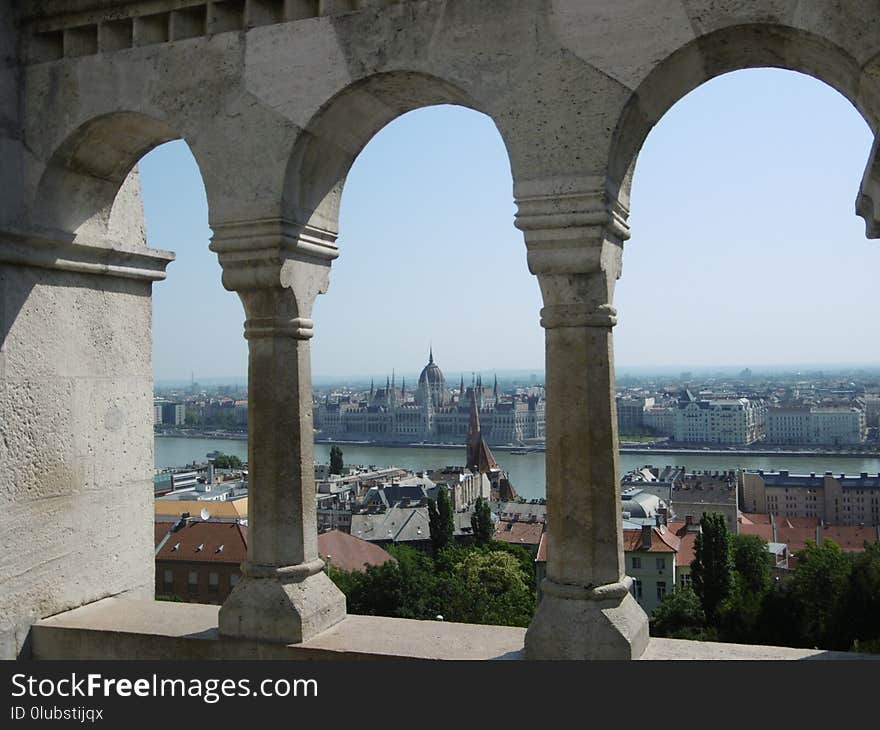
[[479, 456]]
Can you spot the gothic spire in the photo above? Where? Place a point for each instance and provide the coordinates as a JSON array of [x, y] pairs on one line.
[[431, 355]]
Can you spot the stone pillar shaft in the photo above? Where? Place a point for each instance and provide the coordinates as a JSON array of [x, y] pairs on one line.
[[278, 268], [281, 495], [582, 464], [574, 235]]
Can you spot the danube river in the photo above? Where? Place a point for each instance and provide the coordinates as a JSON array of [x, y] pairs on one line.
[[526, 470]]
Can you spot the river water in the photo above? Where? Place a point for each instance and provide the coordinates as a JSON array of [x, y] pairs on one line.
[[526, 470]]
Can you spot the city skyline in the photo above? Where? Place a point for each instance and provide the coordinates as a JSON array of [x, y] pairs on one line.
[[678, 293]]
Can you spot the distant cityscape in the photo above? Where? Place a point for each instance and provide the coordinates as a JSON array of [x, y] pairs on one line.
[[839, 411], [366, 512]]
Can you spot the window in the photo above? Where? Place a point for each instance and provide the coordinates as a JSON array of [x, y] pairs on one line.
[[168, 578], [213, 582], [233, 580], [637, 588], [193, 582], [637, 563], [661, 564], [661, 590], [686, 580]]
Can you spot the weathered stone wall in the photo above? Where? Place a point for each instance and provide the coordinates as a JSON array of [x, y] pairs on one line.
[[76, 453]]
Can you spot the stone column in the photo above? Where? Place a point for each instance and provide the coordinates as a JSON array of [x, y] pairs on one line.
[[575, 242], [278, 269]]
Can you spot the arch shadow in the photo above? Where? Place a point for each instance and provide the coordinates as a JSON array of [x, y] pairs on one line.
[[83, 178]]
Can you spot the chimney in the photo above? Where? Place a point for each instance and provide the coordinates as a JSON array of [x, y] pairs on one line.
[[647, 536]]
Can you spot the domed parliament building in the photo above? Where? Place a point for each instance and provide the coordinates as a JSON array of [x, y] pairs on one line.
[[433, 413]]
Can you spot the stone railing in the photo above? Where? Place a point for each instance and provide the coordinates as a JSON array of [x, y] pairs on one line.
[[121, 628]]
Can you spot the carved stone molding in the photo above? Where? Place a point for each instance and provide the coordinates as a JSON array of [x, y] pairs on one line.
[[105, 258], [275, 252]]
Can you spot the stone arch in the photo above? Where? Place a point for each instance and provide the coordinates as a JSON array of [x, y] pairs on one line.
[[327, 147], [81, 182], [731, 49]]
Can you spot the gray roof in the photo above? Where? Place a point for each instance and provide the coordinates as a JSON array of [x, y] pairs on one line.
[[785, 479], [402, 524]]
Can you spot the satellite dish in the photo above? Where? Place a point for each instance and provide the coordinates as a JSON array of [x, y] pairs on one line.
[[204, 514]]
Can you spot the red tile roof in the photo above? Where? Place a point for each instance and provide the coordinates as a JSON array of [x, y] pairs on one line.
[[348, 552], [663, 540], [686, 550], [162, 529], [755, 518], [797, 521], [519, 533], [542, 550], [765, 532], [206, 542], [795, 537], [851, 538]]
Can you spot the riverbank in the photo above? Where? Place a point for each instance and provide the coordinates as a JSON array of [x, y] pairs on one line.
[[625, 448], [527, 471], [708, 451]]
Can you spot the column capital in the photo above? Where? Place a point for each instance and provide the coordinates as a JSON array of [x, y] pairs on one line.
[[568, 220], [868, 201], [278, 267], [272, 252]]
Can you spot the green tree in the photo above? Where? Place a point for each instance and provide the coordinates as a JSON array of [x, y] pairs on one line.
[[712, 567], [753, 563], [335, 459], [820, 585], [863, 599], [740, 612], [680, 615], [406, 587], [469, 584], [440, 521], [488, 587], [227, 461], [481, 522]]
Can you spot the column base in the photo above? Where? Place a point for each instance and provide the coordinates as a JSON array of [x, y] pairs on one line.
[[573, 622], [282, 610]]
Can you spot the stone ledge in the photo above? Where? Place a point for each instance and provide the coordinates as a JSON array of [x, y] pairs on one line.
[[125, 628]]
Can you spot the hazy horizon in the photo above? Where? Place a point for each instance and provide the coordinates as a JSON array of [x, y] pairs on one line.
[[506, 375]]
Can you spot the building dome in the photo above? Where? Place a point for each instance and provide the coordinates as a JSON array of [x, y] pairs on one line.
[[432, 381], [431, 373]]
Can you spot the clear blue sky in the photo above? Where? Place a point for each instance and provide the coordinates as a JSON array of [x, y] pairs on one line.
[[745, 247]]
